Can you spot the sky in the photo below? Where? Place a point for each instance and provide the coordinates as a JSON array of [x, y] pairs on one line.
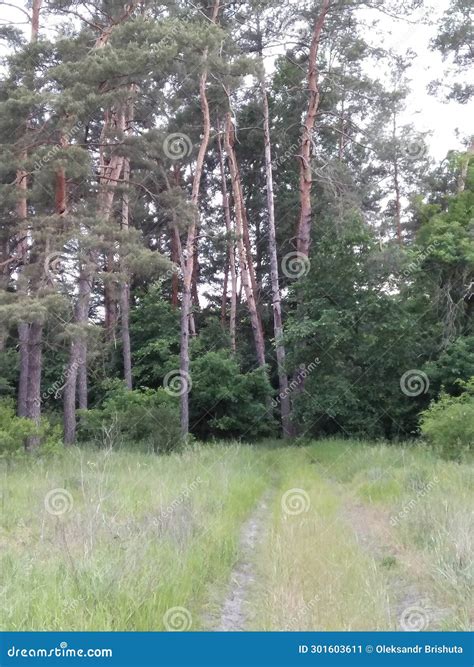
[[427, 112]]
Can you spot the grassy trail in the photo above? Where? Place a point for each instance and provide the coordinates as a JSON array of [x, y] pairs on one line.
[[336, 535]]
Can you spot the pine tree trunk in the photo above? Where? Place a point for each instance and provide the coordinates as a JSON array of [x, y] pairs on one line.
[[22, 213], [284, 398], [77, 356], [230, 247], [125, 287], [82, 384], [23, 338], [303, 235], [190, 245], [243, 256], [109, 175], [34, 381], [176, 260], [396, 184], [224, 290], [23, 327]]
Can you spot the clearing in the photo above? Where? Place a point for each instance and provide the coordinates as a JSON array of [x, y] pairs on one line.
[[337, 535]]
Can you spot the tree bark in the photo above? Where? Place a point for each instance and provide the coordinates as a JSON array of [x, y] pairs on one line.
[[396, 184], [243, 256], [284, 398], [224, 290], [22, 213], [190, 244], [34, 381], [303, 235], [230, 247], [23, 338], [125, 287]]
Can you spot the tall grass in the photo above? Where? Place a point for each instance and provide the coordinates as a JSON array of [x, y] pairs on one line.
[[117, 540], [144, 534]]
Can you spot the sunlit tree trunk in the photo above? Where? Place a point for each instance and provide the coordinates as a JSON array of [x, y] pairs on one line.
[[190, 244], [230, 248], [303, 235], [284, 399], [243, 256]]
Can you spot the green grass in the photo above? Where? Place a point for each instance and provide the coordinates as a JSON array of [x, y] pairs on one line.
[[411, 513], [146, 534], [114, 561]]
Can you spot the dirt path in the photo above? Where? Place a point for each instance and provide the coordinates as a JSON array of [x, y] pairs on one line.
[[234, 614], [410, 606]]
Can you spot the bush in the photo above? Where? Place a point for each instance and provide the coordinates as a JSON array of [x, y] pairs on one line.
[[224, 402], [126, 417], [14, 430], [448, 424]]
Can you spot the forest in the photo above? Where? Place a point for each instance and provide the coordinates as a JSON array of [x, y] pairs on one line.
[[236, 299], [217, 223]]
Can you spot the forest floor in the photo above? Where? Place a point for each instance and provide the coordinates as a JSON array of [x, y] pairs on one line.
[[337, 535]]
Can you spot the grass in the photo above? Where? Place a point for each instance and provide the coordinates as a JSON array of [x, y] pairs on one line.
[[350, 526], [144, 534], [411, 512]]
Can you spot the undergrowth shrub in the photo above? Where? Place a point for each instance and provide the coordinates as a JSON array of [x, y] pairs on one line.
[[14, 431], [448, 424], [145, 416]]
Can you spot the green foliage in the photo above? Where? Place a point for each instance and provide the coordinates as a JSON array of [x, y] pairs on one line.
[[225, 401], [448, 423], [14, 431], [142, 416], [455, 363]]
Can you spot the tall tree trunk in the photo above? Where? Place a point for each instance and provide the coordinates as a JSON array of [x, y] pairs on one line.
[[396, 184], [190, 244], [303, 235], [110, 298], [243, 255], [272, 249], [110, 174], [224, 290], [194, 282], [464, 166], [34, 381], [23, 338], [23, 327], [175, 258], [22, 213], [230, 246], [76, 355], [247, 244], [125, 287]]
